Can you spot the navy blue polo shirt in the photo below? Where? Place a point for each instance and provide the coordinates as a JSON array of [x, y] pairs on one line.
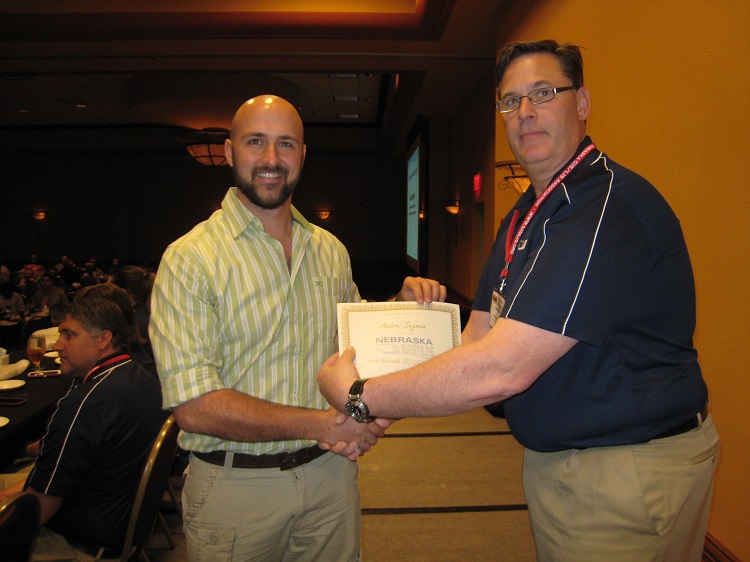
[[94, 451], [603, 261]]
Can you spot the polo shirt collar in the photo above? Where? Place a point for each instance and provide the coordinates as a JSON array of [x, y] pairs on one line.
[[562, 192], [106, 363]]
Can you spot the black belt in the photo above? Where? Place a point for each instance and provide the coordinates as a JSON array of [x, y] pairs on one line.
[[283, 461], [689, 425]]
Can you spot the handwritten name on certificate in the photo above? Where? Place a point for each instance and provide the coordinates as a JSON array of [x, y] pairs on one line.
[[390, 336]]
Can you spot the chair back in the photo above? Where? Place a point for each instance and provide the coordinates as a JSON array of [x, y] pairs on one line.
[[151, 490], [32, 325], [19, 525]]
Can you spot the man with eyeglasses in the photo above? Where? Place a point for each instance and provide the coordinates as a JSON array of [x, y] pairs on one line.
[[582, 324]]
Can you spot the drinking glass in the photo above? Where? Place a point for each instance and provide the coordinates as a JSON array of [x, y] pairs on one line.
[[36, 348]]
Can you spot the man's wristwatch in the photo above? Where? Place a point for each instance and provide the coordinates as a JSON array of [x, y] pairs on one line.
[[355, 407]]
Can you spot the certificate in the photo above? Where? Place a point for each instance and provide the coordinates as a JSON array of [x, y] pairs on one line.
[[390, 336]]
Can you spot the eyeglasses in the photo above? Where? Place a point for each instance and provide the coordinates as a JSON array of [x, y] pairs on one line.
[[536, 97]]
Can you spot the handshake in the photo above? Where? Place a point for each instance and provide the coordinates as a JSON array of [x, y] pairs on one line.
[[355, 431], [350, 438]]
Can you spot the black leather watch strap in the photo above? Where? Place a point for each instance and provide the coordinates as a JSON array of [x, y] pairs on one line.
[[354, 406], [355, 391]]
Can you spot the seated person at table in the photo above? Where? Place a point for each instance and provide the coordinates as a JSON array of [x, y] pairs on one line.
[[50, 297], [4, 273], [140, 348], [97, 440], [12, 306], [138, 283]]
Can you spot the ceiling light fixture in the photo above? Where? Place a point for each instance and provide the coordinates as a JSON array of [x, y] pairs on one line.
[[322, 214], [206, 146]]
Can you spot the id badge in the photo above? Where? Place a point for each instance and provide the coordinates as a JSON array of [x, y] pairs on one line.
[[498, 303]]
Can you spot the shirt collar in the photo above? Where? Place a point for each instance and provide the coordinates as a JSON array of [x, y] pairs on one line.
[[107, 362], [240, 218]]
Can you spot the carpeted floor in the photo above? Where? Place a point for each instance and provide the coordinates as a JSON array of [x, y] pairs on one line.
[[445, 489], [436, 489]]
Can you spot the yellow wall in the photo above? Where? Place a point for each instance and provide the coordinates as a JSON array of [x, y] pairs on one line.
[[670, 90]]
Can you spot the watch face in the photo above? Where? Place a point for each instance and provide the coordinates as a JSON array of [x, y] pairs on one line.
[[358, 410]]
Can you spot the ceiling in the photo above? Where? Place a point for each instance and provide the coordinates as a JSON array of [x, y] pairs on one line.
[[360, 71]]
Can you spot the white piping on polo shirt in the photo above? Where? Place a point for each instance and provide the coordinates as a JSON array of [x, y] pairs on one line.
[[591, 249], [593, 242], [101, 378]]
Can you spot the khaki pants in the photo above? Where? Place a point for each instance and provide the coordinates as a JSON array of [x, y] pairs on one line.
[[639, 503], [311, 512]]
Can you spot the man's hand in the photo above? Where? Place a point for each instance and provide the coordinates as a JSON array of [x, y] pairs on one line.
[[33, 449], [422, 290], [352, 450], [349, 438], [336, 376]]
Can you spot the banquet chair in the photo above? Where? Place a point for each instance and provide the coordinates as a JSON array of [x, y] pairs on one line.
[[32, 325], [150, 492], [19, 525]]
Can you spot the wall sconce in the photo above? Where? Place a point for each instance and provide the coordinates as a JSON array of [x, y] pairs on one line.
[[206, 146], [516, 179], [452, 206], [421, 213], [322, 214], [39, 215]]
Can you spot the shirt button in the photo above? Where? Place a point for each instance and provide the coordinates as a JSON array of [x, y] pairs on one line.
[[214, 537]]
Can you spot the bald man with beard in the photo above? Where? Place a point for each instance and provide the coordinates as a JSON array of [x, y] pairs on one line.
[[243, 315]]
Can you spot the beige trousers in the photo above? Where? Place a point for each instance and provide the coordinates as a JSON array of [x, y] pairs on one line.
[[311, 512], [636, 503]]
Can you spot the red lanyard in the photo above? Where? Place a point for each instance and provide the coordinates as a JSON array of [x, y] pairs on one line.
[[512, 241], [107, 363]]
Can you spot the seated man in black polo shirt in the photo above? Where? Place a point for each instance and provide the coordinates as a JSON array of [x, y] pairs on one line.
[[98, 438]]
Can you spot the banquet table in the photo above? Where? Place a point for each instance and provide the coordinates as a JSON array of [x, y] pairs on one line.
[[28, 421]]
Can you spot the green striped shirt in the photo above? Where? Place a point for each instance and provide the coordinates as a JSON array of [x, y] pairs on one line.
[[227, 313]]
